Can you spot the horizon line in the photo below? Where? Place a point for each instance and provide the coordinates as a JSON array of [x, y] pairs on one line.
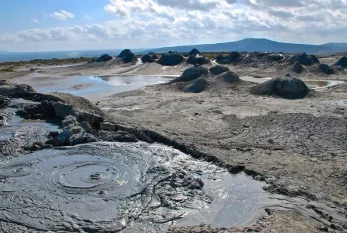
[[163, 47]]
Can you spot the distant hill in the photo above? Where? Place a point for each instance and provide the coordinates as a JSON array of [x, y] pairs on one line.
[[262, 45]]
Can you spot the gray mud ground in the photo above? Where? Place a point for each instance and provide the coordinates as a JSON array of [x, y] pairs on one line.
[[298, 147]]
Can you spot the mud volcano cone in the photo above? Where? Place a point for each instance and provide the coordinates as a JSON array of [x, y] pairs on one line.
[[147, 58], [218, 69], [285, 87], [197, 60], [192, 73], [127, 56], [230, 77], [324, 68], [342, 62], [171, 59], [197, 86], [104, 58], [232, 57], [194, 52], [304, 59], [297, 68]]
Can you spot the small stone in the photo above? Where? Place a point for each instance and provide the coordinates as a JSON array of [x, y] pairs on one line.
[[76, 130], [63, 110], [107, 126], [48, 146], [53, 134], [93, 119], [86, 126], [81, 138], [102, 192], [35, 147], [62, 138], [69, 121], [49, 142], [40, 144]]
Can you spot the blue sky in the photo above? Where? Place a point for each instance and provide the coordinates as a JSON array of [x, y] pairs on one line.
[[43, 25], [17, 15]]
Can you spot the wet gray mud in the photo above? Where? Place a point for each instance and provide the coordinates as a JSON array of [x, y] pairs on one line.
[[17, 133], [129, 187], [114, 186]]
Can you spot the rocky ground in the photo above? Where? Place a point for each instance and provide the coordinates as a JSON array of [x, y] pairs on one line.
[[297, 146]]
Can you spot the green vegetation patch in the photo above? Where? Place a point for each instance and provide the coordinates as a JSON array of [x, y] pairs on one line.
[[7, 69], [53, 61]]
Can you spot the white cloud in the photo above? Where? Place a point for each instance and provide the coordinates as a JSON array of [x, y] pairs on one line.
[[9, 38], [202, 5], [35, 20], [155, 23], [62, 15], [87, 17]]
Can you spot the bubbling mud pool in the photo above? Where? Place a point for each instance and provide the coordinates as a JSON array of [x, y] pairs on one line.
[[114, 186], [118, 186], [128, 187]]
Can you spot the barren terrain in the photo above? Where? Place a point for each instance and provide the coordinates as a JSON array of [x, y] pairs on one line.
[[298, 147]]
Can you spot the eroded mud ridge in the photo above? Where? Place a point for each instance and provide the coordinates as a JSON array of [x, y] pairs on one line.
[[120, 186]]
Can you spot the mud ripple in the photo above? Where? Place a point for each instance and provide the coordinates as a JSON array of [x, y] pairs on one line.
[[18, 170], [128, 187], [89, 174]]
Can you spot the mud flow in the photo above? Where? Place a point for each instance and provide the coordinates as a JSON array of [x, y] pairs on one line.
[[128, 187]]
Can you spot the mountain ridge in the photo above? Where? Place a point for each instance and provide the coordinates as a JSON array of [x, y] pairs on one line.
[[257, 44]]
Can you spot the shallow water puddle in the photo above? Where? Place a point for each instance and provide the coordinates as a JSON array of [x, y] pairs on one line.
[[15, 123], [254, 80], [316, 84], [128, 187], [94, 86]]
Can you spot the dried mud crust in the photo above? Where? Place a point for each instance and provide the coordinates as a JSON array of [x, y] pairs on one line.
[[305, 134], [276, 222], [307, 154]]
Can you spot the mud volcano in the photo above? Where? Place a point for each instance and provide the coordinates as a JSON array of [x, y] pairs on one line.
[[285, 87]]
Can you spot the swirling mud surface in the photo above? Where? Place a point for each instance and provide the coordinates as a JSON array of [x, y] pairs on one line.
[[111, 187]]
